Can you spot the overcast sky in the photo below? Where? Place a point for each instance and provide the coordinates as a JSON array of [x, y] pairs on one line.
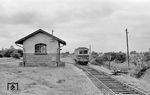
[[100, 23]]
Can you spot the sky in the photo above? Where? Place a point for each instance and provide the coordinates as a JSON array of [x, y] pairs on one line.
[[99, 23]]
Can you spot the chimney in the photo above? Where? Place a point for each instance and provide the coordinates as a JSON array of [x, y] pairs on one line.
[[52, 31]]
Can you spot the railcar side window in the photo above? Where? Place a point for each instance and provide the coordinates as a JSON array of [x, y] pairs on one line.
[[40, 48]]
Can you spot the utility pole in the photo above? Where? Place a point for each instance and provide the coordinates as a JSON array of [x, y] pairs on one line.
[[90, 49], [127, 47], [89, 52], [109, 59]]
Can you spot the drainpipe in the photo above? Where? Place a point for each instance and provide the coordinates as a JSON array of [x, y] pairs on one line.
[[59, 48], [24, 56]]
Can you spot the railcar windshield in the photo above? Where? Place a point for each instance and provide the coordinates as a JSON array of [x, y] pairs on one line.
[[83, 51]]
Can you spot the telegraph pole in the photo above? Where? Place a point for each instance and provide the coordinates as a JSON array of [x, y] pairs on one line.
[[89, 52], [127, 47]]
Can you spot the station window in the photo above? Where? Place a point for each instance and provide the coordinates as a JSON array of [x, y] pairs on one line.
[[40, 48]]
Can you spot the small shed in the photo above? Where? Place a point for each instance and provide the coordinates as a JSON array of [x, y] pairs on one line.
[[41, 48]]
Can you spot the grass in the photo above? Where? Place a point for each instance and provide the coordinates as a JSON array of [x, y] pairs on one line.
[[119, 66], [137, 67], [45, 80]]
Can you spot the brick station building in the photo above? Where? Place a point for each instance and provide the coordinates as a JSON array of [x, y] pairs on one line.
[[41, 48]]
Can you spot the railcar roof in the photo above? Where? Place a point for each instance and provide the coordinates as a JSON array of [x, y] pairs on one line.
[[82, 48]]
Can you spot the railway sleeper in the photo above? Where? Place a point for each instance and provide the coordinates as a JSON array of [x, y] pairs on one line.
[[112, 83], [95, 71], [112, 87], [105, 76], [131, 91], [118, 89], [124, 92], [116, 86], [106, 79], [115, 83], [101, 77]]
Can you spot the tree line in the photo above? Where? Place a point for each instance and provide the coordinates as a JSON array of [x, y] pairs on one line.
[[118, 57], [11, 52]]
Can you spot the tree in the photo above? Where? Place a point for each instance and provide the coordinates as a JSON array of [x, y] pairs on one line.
[[7, 52], [109, 56], [133, 52], [147, 56], [1, 55], [10, 51], [11, 47], [94, 54], [121, 57], [15, 55]]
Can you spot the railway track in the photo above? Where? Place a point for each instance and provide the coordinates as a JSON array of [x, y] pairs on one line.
[[107, 84]]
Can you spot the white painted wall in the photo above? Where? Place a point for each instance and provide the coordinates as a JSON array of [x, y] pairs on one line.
[[29, 44]]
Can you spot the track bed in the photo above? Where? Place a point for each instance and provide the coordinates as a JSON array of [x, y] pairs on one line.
[[109, 85]]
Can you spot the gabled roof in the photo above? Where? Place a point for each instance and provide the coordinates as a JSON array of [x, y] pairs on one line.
[[20, 41]]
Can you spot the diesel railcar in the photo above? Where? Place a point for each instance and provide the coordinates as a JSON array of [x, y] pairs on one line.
[[81, 55]]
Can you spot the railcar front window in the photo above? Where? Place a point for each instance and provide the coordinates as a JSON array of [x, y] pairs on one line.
[[85, 52], [80, 52]]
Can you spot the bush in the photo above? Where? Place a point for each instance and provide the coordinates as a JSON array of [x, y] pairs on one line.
[[139, 71], [133, 52], [147, 56], [99, 60], [1, 55], [94, 54], [118, 57], [7, 52], [121, 57], [109, 56], [15, 55]]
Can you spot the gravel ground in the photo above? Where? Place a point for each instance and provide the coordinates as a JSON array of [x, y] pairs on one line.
[[67, 80]]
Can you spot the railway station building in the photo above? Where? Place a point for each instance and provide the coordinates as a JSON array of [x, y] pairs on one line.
[[41, 49]]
